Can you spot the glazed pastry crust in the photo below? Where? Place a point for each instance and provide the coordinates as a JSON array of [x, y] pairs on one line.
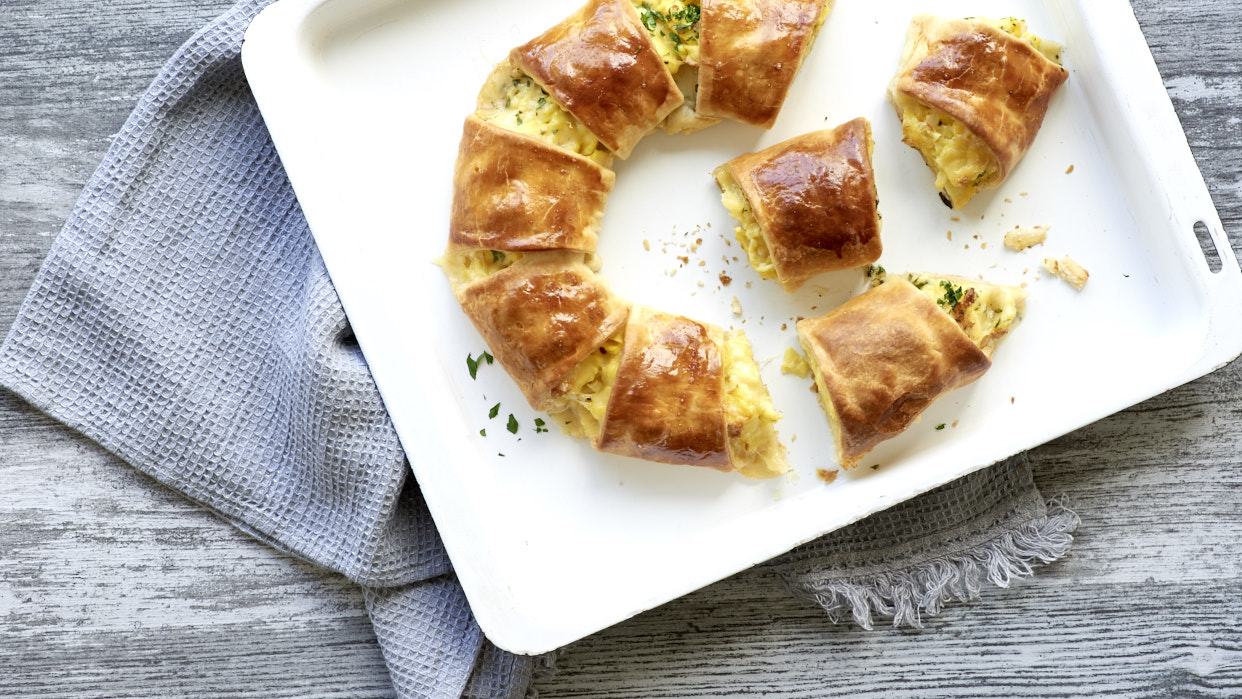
[[998, 86], [814, 197], [667, 404], [514, 192], [882, 358], [600, 65], [541, 316], [749, 53]]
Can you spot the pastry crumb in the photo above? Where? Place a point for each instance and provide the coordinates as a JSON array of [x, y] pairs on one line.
[[647, 245], [1069, 270], [949, 235], [1022, 238], [725, 279], [826, 475], [736, 306], [1069, 170]]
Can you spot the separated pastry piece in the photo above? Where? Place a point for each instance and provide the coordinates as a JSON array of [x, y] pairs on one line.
[[516, 193], [807, 205], [512, 100], [972, 95], [985, 312], [882, 358], [541, 316], [749, 53], [687, 392], [601, 66], [674, 29]]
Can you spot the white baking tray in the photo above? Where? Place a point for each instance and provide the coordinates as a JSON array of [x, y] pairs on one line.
[[365, 101]]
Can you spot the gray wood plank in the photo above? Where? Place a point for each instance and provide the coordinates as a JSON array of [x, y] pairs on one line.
[[112, 585]]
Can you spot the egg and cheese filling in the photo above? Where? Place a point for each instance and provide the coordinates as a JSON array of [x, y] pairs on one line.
[[513, 100], [751, 418], [985, 312], [748, 233], [581, 409], [825, 402], [674, 29], [962, 162], [466, 266]]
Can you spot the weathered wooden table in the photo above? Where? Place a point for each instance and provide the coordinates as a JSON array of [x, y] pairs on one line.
[[112, 585]]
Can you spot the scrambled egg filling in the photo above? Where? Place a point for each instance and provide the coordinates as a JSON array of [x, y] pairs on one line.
[[514, 100], [749, 234], [1017, 28], [963, 164], [674, 29], [753, 441], [581, 410], [825, 402], [465, 266], [795, 363], [985, 312]]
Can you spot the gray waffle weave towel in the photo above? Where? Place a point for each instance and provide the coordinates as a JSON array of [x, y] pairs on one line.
[[184, 320]]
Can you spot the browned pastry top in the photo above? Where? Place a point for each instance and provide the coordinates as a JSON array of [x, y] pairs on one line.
[[515, 192], [815, 199], [749, 54], [997, 85], [600, 65], [667, 403], [541, 316], [885, 356]]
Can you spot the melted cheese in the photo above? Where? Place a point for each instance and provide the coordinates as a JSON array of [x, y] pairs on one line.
[[749, 234], [962, 163], [985, 312], [674, 29], [753, 441], [581, 409], [513, 100], [465, 266]]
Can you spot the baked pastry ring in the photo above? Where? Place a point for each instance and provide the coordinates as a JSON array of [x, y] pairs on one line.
[[885, 356], [749, 53], [972, 95], [807, 205]]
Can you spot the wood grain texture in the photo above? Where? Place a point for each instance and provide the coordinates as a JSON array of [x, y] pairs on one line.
[[113, 585]]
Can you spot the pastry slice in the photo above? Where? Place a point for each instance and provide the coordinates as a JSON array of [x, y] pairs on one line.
[[514, 192], [806, 206], [749, 53], [885, 356], [687, 392], [601, 66], [541, 316], [972, 95]]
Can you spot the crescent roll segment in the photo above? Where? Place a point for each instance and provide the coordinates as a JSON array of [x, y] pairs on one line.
[[972, 97], [541, 316], [881, 359], [807, 205], [687, 392], [749, 53], [600, 65], [513, 192]]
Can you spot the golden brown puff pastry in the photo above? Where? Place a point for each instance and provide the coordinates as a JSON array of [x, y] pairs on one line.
[[514, 192], [541, 316], [749, 53], [667, 403], [996, 85], [881, 359], [600, 65], [814, 200]]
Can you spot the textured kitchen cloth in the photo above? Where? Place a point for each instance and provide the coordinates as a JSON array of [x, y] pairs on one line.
[[185, 321]]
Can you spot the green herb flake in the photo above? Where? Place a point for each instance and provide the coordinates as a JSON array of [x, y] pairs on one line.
[[487, 357], [693, 12], [513, 424], [952, 294], [498, 256], [940, 426], [491, 414], [483, 432], [875, 468], [539, 425], [472, 365]]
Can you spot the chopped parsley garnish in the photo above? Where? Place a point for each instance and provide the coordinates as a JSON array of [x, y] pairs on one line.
[[940, 426], [519, 119], [649, 17], [539, 425], [483, 432], [513, 424], [875, 468], [543, 101], [952, 294], [472, 365], [491, 414], [692, 13], [498, 256]]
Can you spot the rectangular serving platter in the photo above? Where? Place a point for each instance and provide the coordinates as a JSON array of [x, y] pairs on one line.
[[551, 541]]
